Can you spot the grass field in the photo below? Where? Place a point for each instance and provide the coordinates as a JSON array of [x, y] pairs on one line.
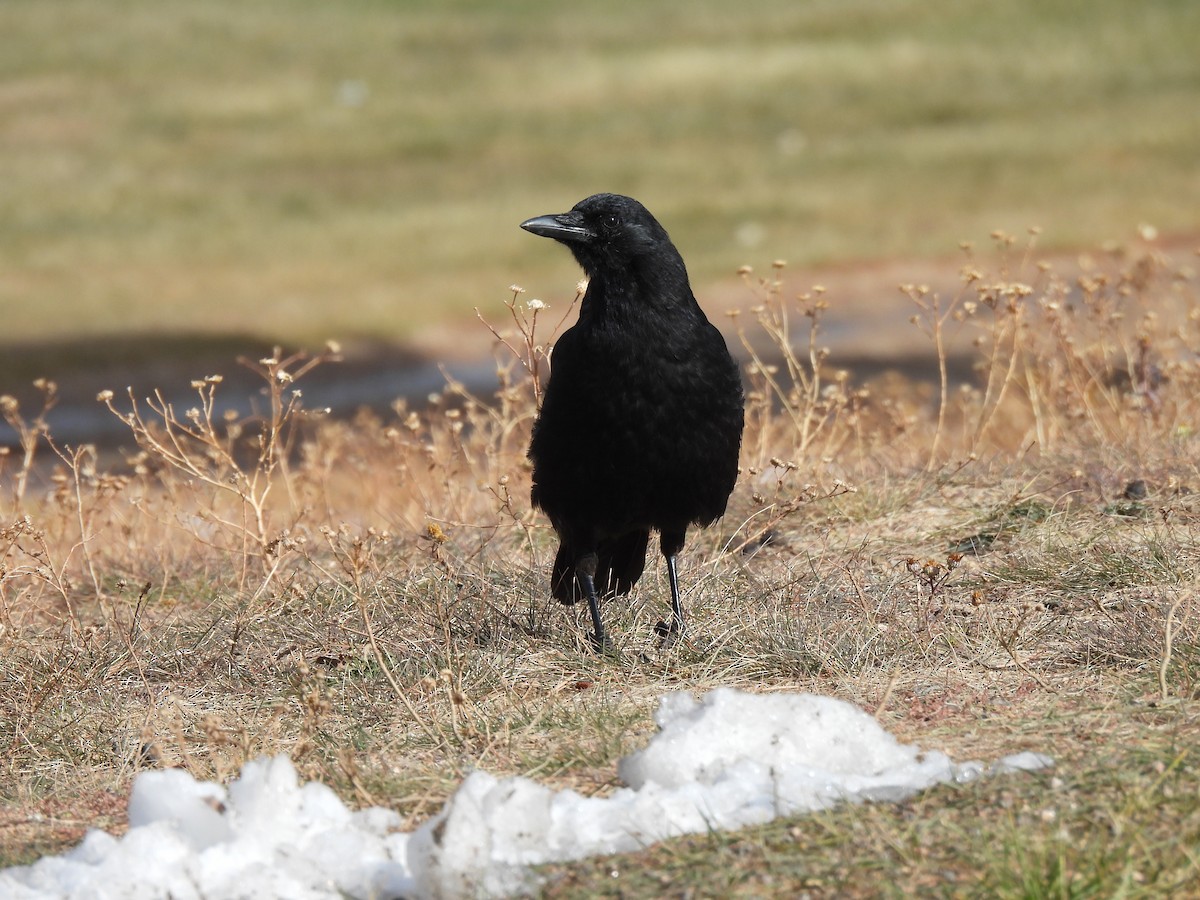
[[1003, 565], [299, 171], [989, 564]]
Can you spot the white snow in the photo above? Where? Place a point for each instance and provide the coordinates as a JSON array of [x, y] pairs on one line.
[[729, 760]]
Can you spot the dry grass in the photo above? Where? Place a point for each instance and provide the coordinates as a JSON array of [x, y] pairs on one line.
[[1004, 565]]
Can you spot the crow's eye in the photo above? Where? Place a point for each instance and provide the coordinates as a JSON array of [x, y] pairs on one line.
[[611, 221]]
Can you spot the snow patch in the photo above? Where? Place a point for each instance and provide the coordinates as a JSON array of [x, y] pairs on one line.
[[726, 761]]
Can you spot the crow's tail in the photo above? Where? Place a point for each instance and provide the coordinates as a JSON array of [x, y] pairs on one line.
[[619, 566]]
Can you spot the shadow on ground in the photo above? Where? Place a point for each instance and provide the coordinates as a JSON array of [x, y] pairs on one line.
[[372, 375]]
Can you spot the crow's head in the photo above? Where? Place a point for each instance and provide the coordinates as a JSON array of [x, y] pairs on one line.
[[605, 232]]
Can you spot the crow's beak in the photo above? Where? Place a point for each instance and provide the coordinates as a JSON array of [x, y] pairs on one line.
[[568, 228]]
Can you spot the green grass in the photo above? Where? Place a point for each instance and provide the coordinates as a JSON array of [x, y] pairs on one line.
[[301, 170], [1104, 823]]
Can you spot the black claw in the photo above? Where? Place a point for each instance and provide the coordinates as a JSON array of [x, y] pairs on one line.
[[668, 635], [601, 644]]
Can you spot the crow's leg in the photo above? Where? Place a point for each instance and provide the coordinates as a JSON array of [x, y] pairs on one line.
[[671, 542], [585, 568], [677, 626]]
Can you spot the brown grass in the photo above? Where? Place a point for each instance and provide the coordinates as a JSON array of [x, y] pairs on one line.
[[976, 564]]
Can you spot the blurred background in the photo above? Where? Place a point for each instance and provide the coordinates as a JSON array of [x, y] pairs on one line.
[[184, 182]]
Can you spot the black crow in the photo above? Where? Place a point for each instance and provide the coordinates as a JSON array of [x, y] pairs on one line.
[[641, 419]]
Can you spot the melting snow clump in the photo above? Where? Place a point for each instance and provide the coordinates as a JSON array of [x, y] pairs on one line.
[[726, 761]]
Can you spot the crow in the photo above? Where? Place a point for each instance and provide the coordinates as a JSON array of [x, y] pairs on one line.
[[641, 419]]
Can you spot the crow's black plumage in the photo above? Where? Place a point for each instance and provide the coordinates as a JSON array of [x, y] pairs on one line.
[[641, 419]]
